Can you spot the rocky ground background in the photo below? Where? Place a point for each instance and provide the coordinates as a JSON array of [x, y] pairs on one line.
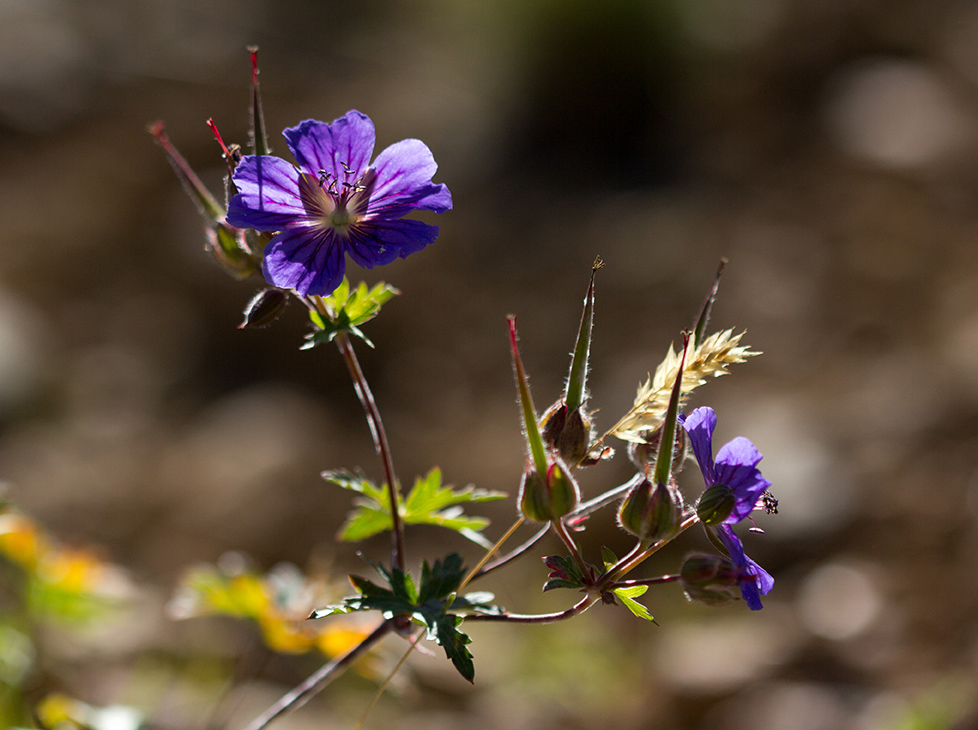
[[827, 149]]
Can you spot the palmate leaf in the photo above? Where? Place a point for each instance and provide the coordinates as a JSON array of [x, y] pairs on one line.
[[428, 503], [426, 604], [347, 310]]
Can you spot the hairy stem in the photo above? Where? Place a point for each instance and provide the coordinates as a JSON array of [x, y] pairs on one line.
[[640, 555], [582, 510], [539, 618], [561, 529], [644, 582], [380, 444], [319, 679], [513, 554]]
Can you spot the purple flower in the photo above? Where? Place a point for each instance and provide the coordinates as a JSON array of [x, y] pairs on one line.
[[335, 202], [735, 469], [754, 580]]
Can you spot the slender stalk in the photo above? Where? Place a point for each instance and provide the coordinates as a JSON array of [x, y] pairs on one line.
[[644, 582], [583, 509], [380, 444], [561, 529], [515, 553], [387, 682], [478, 569], [319, 679], [539, 618], [602, 500], [640, 555]]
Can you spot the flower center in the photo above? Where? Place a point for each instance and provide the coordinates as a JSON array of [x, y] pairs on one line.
[[332, 203]]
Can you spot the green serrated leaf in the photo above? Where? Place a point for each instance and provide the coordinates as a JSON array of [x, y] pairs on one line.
[[346, 311], [473, 600], [454, 643], [560, 583], [442, 579], [374, 598], [330, 611], [627, 597], [404, 587], [428, 503], [367, 588]]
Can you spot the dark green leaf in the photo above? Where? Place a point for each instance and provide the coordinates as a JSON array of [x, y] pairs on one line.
[[442, 579], [454, 643], [403, 585], [564, 573]]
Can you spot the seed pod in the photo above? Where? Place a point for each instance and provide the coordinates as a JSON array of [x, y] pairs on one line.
[[716, 504], [650, 512]]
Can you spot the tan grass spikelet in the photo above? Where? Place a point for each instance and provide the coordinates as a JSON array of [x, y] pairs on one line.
[[710, 360]]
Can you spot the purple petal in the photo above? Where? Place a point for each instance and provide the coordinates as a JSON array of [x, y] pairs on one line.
[[739, 451], [700, 425], [319, 146], [308, 260], [268, 195], [765, 581], [756, 580], [404, 172], [374, 243], [736, 466]]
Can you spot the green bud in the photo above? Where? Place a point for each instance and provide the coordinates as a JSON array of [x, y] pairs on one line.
[[564, 493], [264, 308], [230, 249], [544, 499], [567, 432], [715, 504], [643, 455], [535, 497], [709, 579], [650, 512]]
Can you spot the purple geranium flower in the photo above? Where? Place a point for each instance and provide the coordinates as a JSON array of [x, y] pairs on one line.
[[334, 202], [754, 580], [735, 468]]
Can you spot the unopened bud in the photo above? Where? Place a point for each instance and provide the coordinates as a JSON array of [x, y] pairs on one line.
[[264, 308], [643, 455], [564, 493], [567, 432], [229, 249], [710, 579], [716, 504], [544, 499], [650, 512]]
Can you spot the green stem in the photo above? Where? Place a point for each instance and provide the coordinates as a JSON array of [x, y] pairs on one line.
[[644, 582], [380, 444], [639, 556], [539, 618], [561, 529]]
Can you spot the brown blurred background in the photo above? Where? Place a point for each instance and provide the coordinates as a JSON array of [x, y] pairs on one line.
[[827, 148]]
